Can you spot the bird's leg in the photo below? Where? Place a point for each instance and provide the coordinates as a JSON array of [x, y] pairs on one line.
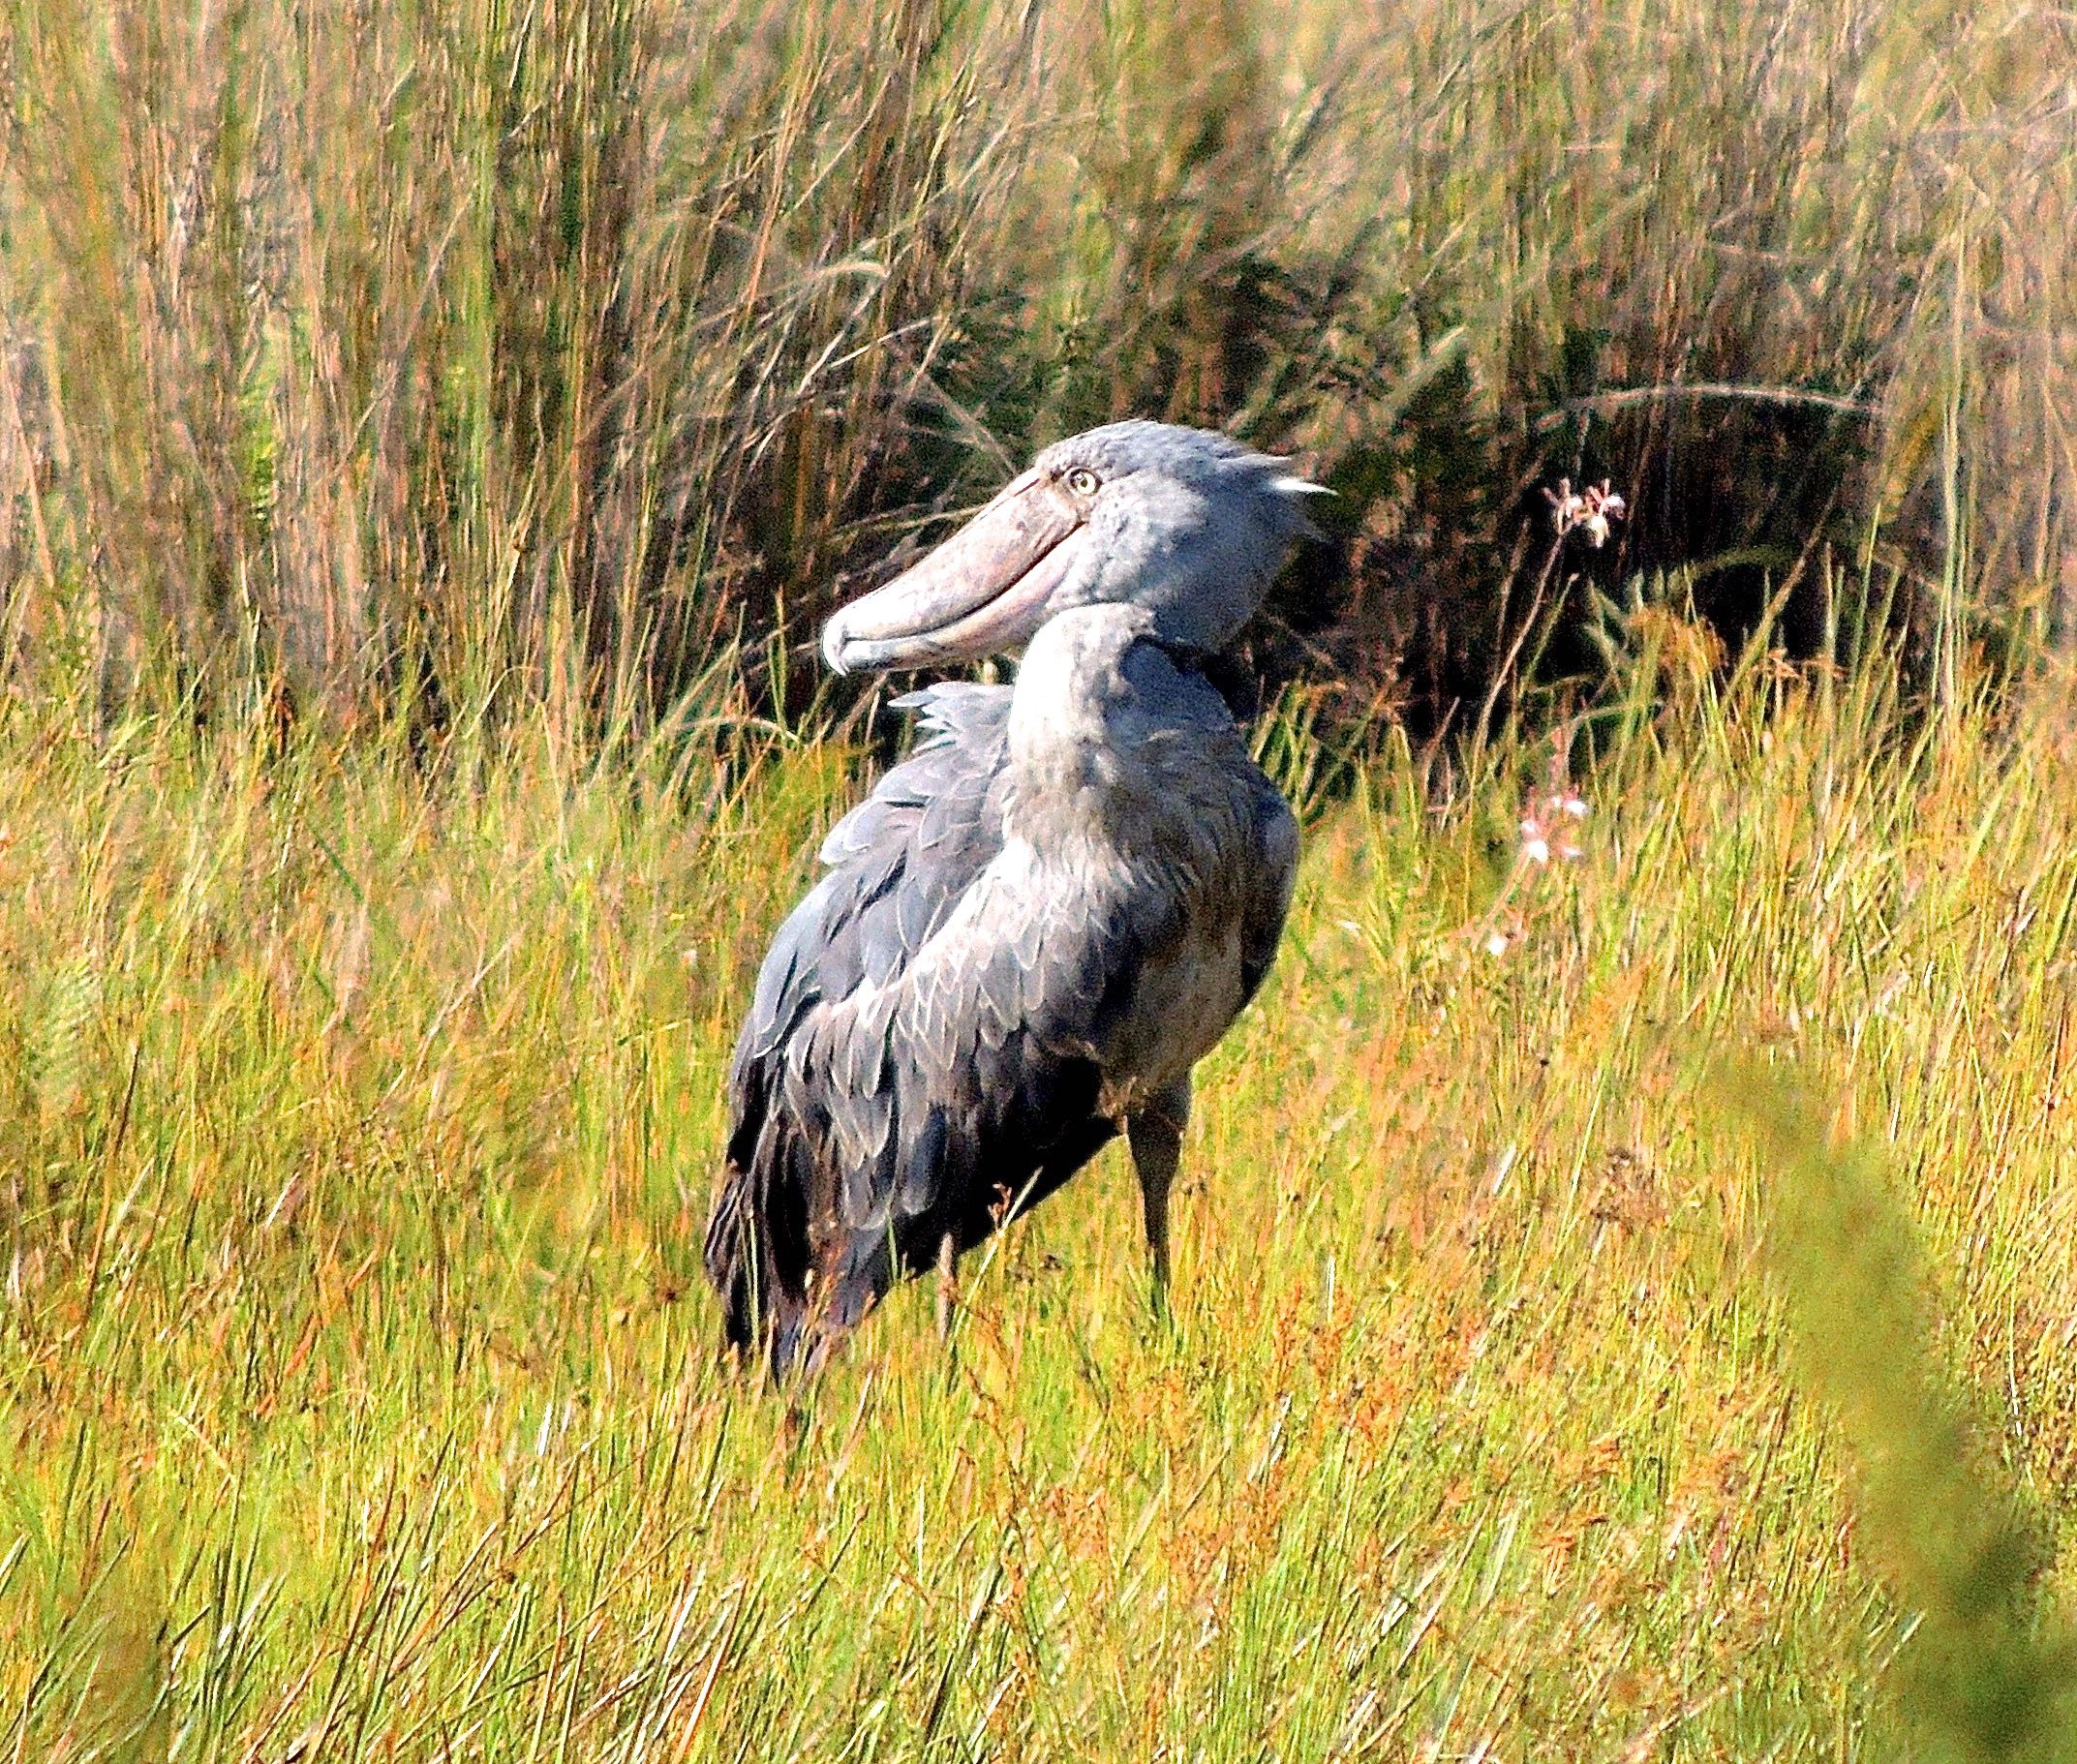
[[1155, 1134], [948, 1283]]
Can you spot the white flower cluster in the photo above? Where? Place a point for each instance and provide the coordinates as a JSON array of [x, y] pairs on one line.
[[1590, 511], [1548, 829]]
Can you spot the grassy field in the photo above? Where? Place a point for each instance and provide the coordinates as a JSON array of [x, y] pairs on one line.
[[359, 1387], [1624, 1305]]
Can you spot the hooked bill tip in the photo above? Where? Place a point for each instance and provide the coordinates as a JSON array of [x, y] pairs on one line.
[[832, 645]]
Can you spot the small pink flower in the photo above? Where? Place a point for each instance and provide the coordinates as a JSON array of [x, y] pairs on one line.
[[1550, 821], [1591, 510]]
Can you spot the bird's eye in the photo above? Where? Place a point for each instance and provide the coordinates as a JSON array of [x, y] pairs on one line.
[[1082, 481]]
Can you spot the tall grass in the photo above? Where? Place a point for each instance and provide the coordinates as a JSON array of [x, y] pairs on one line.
[[421, 426], [359, 1397], [465, 351]]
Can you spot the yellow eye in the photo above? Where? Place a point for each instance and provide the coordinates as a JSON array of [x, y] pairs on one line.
[[1082, 481]]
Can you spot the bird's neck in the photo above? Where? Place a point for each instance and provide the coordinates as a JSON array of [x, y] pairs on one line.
[[1110, 735]]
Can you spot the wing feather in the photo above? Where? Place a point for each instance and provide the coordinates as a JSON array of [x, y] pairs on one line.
[[1268, 905], [897, 864]]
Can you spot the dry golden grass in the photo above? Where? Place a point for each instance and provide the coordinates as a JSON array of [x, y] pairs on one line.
[[358, 1386]]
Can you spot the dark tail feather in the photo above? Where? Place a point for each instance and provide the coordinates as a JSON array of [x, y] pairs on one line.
[[732, 1259], [756, 1308]]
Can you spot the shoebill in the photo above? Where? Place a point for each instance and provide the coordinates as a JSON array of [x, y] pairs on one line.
[[1037, 924]]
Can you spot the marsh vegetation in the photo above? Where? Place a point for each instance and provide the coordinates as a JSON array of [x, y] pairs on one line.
[[1623, 1303]]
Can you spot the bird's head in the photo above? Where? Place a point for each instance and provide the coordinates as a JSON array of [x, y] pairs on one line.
[[1189, 525]]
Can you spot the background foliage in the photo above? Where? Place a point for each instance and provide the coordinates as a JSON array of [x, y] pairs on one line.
[[570, 346]]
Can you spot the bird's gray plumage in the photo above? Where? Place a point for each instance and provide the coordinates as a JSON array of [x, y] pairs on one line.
[[1036, 924]]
